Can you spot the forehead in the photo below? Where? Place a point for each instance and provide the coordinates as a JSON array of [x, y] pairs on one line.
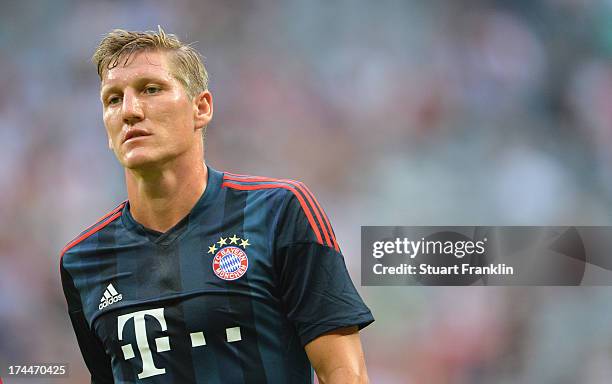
[[143, 64]]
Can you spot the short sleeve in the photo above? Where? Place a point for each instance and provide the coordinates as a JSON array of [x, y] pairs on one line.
[[315, 288]]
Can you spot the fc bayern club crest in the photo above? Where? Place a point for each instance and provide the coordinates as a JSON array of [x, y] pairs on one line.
[[230, 261]]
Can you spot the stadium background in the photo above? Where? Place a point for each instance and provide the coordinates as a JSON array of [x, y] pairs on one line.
[[393, 112]]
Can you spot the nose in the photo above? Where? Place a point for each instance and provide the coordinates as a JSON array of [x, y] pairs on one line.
[[131, 109]]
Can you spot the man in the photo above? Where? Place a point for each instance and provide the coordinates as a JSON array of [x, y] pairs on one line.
[[201, 276]]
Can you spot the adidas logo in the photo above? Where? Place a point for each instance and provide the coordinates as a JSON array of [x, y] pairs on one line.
[[110, 297]]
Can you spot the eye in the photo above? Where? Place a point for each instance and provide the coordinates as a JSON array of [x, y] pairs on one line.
[[151, 89], [113, 100]]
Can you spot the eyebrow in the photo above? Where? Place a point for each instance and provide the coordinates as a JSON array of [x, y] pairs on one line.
[[105, 90]]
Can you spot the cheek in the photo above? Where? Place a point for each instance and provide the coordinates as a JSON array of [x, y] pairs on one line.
[[110, 124], [110, 118], [177, 114]]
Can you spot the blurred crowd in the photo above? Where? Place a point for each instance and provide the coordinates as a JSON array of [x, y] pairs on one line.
[[393, 112]]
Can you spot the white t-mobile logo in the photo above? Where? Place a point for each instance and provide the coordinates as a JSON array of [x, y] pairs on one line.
[[162, 343], [149, 369]]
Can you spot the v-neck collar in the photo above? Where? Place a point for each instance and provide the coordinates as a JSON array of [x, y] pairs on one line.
[[213, 186]]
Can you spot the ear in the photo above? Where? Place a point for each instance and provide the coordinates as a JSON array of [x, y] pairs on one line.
[[203, 109]]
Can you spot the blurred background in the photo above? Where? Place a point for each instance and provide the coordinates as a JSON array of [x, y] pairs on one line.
[[393, 112]]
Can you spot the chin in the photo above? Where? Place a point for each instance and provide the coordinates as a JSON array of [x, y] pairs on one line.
[[139, 161]]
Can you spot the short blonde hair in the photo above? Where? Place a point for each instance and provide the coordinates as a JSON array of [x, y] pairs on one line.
[[186, 63]]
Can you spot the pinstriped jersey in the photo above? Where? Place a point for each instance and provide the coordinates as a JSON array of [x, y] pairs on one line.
[[231, 294]]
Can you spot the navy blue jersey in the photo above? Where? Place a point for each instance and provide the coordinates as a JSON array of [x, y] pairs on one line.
[[231, 294]]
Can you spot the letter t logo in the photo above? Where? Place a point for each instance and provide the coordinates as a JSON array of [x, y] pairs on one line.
[[163, 344]]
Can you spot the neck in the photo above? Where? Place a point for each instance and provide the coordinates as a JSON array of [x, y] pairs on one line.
[[161, 197]]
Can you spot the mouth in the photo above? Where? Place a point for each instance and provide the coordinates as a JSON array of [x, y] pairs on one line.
[[135, 133]]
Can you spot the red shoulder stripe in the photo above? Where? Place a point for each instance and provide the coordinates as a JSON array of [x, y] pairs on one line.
[[269, 186], [329, 227], [115, 210], [101, 223], [327, 230]]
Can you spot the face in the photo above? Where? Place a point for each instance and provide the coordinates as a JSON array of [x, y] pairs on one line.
[[149, 117]]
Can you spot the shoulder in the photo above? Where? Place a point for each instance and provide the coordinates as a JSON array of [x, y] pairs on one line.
[[286, 192], [299, 209], [280, 187], [88, 232]]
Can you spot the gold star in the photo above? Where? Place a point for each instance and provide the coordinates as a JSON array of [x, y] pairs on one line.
[[221, 241], [244, 243], [234, 239], [212, 249]]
